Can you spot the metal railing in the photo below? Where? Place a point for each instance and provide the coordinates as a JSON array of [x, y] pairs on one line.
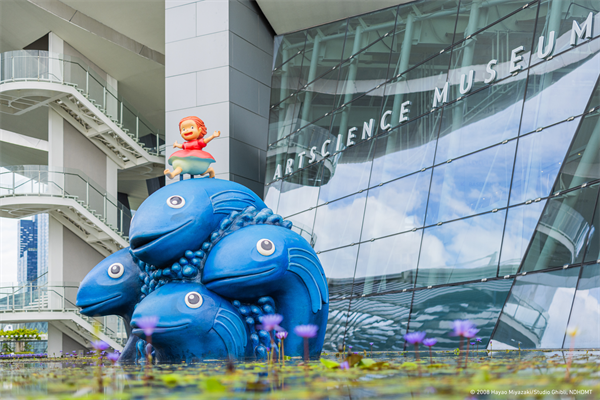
[[42, 66], [41, 180], [56, 297]]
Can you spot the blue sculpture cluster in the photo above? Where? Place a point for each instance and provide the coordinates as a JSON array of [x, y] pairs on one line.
[[208, 258]]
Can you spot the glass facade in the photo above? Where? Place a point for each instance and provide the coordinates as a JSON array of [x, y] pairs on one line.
[[443, 159]]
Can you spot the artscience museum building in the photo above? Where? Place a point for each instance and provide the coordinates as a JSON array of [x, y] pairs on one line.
[[443, 158]]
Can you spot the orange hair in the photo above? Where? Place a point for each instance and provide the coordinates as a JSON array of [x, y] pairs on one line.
[[199, 123]]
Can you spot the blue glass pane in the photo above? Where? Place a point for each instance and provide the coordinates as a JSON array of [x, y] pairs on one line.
[[338, 223], [406, 149], [305, 146], [339, 268], [366, 29], [472, 184], [285, 79], [271, 196], [287, 46], [316, 99], [434, 310], [593, 242], [350, 172], [520, 226], [539, 158], [381, 320], [537, 311], [481, 119], [462, 250], [561, 88], [397, 206], [276, 160], [387, 264], [299, 192], [563, 230], [281, 119], [336, 325], [586, 310]]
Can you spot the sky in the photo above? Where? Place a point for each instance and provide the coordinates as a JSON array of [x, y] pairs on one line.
[[8, 249]]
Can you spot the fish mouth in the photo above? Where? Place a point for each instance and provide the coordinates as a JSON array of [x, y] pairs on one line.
[[89, 307], [143, 242], [160, 329], [236, 278]]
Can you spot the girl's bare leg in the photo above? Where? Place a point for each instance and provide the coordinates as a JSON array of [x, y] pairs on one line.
[[175, 172], [210, 171]]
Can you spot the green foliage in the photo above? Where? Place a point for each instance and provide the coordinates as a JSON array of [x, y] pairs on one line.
[[456, 351], [21, 334]]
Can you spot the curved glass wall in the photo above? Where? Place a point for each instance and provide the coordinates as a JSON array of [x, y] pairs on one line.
[[443, 159]]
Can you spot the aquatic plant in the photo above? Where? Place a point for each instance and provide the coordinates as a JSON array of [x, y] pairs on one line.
[[281, 336], [306, 332], [430, 342], [415, 338]]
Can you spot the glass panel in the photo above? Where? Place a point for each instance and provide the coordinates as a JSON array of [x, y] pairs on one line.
[[381, 320], [336, 325], [494, 43], [306, 145], [339, 223], [434, 310], [339, 268], [593, 243], [286, 46], [472, 184], [462, 250], [520, 226], [422, 30], [276, 160], [481, 119], [558, 16], [387, 264], [561, 87], [537, 311], [281, 119], [299, 192], [396, 206], [366, 29], [562, 232], [585, 314], [415, 89], [285, 79], [539, 158], [303, 225], [350, 172], [323, 51], [583, 161], [272, 195], [408, 148], [316, 99]]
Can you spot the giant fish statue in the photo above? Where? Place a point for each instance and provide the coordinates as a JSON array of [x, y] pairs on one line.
[[271, 260], [193, 323], [182, 215], [113, 287]]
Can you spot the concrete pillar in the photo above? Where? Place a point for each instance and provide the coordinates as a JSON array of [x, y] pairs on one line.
[[55, 341], [56, 47], [219, 69]]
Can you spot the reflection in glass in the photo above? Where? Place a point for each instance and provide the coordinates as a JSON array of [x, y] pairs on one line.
[[482, 119], [350, 172], [285, 79], [286, 46], [536, 313], [462, 250], [316, 99], [366, 29], [306, 146], [276, 160], [585, 314], [381, 320], [562, 232], [303, 225], [520, 226], [593, 242], [583, 161], [406, 149], [339, 223], [339, 268], [396, 206], [434, 310], [539, 158], [470, 185], [271, 196], [387, 264], [494, 43], [336, 325], [281, 119], [569, 77], [299, 191]]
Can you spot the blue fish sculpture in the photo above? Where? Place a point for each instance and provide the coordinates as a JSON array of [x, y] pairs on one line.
[[269, 260], [113, 287], [193, 324], [182, 215]]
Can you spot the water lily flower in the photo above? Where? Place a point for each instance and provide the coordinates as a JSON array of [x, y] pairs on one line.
[[147, 324], [281, 335], [100, 345], [414, 337], [429, 342], [306, 331], [271, 321], [113, 357], [460, 327], [572, 331], [345, 365]]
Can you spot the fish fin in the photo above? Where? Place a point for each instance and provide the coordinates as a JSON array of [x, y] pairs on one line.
[[231, 329], [231, 200], [308, 268]]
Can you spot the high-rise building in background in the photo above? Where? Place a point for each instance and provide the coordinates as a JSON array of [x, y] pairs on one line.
[[28, 251]]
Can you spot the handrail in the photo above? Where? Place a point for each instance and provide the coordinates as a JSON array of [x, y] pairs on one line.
[[43, 66], [32, 298], [42, 180]]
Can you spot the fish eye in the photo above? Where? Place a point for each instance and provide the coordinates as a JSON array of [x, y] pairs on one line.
[[116, 270], [265, 247], [193, 300], [175, 201]]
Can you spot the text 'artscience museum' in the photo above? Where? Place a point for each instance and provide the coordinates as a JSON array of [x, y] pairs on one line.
[[443, 159]]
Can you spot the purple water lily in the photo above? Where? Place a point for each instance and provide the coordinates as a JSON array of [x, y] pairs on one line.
[[429, 342], [281, 335], [306, 331], [100, 345], [271, 321], [345, 365], [461, 327], [147, 324], [414, 337], [113, 357]]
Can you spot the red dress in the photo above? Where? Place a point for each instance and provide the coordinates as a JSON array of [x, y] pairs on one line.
[[194, 145]]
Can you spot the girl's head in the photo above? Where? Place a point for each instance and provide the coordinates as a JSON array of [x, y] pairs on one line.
[[191, 128]]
